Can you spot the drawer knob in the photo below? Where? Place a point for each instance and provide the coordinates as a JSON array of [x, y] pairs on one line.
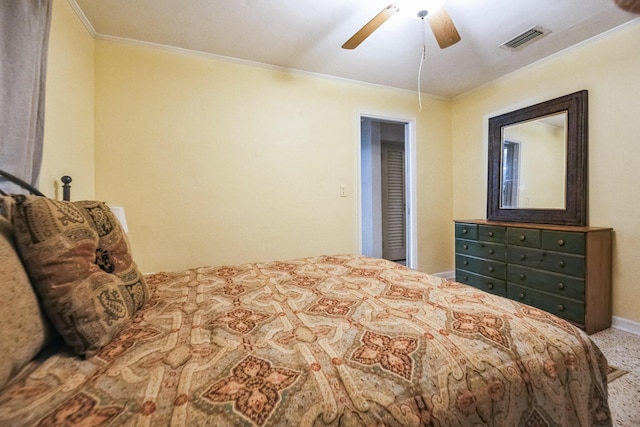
[[522, 237], [490, 285], [465, 231], [491, 251], [523, 276], [465, 246], [560, 285], [491, 269], [465, 262], [560, 307], [465, 278], [521, 295], [491, 234], [523, 257], [561, 242], [561, 264]]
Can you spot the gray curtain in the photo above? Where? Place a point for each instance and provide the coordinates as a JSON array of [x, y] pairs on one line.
[[24, 36]]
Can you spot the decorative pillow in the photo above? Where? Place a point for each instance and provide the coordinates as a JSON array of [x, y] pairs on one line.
[[79, 261], [24, 330]]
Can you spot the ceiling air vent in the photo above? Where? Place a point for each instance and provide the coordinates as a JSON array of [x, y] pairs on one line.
[[526, 37]]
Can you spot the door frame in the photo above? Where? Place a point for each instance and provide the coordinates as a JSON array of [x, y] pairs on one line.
[[410, 178]]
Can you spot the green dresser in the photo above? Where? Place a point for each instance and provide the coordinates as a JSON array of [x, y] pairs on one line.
[[565, 270]]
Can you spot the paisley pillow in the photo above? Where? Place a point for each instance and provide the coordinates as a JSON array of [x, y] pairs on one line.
[[79, 262], [24, 330]]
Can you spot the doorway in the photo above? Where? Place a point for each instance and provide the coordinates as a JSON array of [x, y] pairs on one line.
[[386, 191]]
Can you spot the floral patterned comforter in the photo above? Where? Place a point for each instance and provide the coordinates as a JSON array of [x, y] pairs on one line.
[[331, 340]]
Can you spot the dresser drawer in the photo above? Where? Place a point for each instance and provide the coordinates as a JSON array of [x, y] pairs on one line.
[[494, 251], [523, 237], [488, 284], [557, 262], [558, 284], [491, 233], [562, 307], [564, 241], [482, 266], [563, 269], [466, 231]]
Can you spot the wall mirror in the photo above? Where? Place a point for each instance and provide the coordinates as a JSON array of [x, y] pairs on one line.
[[538, 163]]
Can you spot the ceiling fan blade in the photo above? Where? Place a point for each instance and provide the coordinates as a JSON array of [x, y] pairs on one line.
[[444, 29], [632, 6], [370, 27]]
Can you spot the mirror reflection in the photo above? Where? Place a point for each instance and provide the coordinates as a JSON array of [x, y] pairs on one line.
[[533, 165]]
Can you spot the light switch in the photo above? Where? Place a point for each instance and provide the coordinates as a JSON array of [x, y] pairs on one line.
[[343, 191]]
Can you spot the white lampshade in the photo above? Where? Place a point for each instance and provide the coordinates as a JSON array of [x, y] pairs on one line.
[[118, 211]]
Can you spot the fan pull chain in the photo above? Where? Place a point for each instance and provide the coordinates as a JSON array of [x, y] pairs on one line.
[[419, 75], [422, 58]]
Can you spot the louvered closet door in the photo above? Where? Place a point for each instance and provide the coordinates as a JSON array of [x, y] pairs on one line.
[[393, 202]]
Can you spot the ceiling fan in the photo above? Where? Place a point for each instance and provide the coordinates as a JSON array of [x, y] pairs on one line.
[[441, 24], [632, 6]]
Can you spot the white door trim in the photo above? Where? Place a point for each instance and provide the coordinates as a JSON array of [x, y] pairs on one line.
[[411, 177]]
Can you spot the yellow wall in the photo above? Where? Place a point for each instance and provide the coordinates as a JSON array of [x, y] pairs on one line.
[[219, 162], [608, 67], [69, 117]]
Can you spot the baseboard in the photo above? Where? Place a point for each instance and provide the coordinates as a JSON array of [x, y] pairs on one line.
[[625, 325], [450, 275]]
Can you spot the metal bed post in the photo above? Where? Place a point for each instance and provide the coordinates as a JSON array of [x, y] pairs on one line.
[[66, 188]]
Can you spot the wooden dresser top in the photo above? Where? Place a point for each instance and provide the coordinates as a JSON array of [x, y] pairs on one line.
[[575, 228]]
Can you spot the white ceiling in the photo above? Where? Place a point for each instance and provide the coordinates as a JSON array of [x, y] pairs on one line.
[[307, 35]]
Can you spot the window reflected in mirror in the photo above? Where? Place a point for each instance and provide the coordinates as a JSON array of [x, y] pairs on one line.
[[510, 174]]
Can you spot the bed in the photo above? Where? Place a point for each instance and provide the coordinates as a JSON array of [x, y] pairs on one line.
[[339, 340]]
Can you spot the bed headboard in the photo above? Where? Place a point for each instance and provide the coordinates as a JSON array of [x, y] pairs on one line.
[[23, 184], [6, 176]]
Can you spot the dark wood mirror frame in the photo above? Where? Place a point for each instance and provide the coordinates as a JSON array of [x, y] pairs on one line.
[[575, 212]]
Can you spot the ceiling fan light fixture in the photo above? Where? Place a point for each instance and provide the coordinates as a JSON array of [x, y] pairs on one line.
[[432, 5], [441, 24], [415, 8]]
